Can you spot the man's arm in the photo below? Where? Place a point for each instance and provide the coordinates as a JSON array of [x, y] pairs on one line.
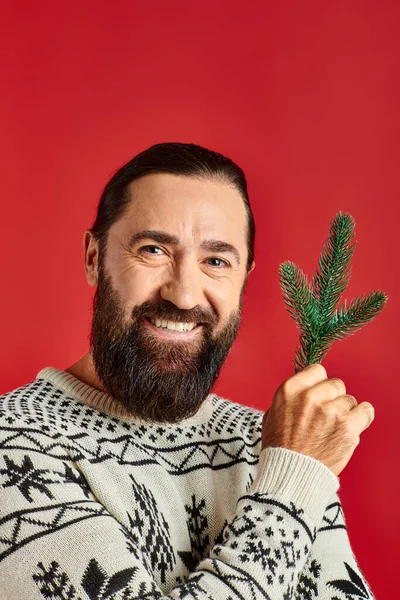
[[57, 541], [332, 570]]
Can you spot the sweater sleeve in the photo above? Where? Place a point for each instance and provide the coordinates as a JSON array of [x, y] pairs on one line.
[[57, 541], [332, 569]]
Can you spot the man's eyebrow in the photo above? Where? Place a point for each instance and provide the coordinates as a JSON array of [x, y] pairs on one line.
[[162, 237], [221, 246]]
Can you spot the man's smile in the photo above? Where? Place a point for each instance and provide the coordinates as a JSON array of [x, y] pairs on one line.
[[166, 332]]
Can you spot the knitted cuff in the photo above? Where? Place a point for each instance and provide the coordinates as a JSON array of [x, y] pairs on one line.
[[297, 478]]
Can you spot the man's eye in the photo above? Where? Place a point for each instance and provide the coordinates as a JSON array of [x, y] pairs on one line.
[[145, 248], [223, 262], [153, 250]]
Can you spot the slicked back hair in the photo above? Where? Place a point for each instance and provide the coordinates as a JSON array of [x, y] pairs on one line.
[[179, 159]]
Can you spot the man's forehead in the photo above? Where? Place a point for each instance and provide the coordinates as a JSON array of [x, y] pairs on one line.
[[165, 185], [164, 197], [161, 191]]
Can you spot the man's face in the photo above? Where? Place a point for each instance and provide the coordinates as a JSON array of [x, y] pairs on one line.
[[166, 276]]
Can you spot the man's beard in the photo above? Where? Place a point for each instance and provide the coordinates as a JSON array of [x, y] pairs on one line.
[[155, 379]]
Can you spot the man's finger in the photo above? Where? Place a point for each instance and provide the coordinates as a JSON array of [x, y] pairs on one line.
[[306, 378], [363, 415]]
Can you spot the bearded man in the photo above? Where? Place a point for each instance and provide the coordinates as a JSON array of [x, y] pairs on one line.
[[123, 476]]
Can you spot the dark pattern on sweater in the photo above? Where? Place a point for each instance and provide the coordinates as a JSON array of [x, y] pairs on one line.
[[152, 531], [253, 528], [197, 524], [307, 586], [47, 410], [54, 584], [198, 528], [17, 531], [333, 518], [352, 588], [26, 477], [268, 548]]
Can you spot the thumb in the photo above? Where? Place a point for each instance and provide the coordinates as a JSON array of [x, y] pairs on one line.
[[266, 415]]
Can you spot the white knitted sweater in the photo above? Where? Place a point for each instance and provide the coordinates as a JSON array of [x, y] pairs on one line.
[[98, 506]]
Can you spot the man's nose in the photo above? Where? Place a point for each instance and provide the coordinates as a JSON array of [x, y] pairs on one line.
[[183, 286]]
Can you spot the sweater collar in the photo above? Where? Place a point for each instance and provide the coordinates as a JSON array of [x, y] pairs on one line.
[[72, 386]]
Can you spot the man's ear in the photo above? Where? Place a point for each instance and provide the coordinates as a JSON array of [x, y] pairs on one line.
[[252, 267], [91, 252]]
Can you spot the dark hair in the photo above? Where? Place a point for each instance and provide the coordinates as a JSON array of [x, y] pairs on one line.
[[169, 157]]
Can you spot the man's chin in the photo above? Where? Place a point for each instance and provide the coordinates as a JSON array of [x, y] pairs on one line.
[[173, 366], [172, 399]]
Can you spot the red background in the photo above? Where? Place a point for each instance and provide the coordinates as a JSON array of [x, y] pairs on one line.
[[303, 95]]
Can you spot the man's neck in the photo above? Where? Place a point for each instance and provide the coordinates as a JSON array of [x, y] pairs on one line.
[[84, 370]]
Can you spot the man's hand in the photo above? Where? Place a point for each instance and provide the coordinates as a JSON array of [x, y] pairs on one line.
[[313, 415]]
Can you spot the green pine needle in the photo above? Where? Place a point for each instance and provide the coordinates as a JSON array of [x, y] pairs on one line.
[[314, 306], [333, 276], [299, 297]]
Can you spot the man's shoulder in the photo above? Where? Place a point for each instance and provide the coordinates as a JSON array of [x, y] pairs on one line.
[[235, 418], [34, 403], [234, 406], [18, 396]]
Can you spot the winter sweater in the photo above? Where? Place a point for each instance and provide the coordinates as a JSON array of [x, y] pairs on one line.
[[97, 505]]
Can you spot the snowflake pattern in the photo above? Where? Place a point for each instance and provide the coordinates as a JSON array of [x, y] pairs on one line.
[[198, 528], [25, 477], [307, 586], [54, 584]]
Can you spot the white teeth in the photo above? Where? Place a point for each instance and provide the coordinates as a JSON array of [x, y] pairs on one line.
[[173, 325]]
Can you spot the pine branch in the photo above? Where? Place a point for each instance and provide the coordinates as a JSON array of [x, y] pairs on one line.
[[310, 351], [360, 311], [333, 276], [299, 297], [314, 306]]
